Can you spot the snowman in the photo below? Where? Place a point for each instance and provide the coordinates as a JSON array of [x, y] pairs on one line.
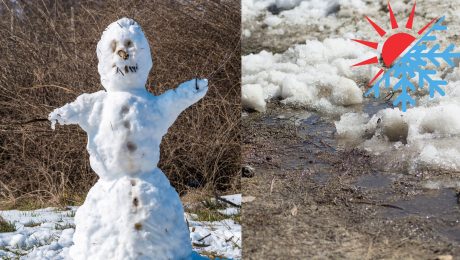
[[132, 212]]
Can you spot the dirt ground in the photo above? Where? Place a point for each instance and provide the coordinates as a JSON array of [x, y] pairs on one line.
[[310, 198]]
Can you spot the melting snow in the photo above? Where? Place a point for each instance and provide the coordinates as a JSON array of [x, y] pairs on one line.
[[300, 52]]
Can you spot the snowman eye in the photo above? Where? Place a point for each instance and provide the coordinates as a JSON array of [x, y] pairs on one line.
[[129, 43], [113, 45]]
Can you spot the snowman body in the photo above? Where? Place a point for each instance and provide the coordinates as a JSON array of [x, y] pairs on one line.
[[132, 212], [131, 218]]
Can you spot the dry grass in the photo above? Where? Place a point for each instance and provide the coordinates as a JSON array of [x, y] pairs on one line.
[[48, 58], [6, 226]]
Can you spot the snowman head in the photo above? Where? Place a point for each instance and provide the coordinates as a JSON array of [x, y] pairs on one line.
[[124, 56]]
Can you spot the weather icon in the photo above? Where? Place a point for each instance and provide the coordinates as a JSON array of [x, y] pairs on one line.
[[404, 56]]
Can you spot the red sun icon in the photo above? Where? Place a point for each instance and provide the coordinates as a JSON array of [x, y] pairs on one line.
[[394, 45]]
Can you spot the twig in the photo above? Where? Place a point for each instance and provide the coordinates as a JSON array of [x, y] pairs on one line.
[[203, 238], [377, 204], [389, 96], [49, 85], [272, 184], [227, 201], [200, 245], [188, 224], [30, 121]]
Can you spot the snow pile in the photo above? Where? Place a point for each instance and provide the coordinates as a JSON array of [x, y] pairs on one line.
[[427, 135], [47, 234], [316, 75], [132, 211]]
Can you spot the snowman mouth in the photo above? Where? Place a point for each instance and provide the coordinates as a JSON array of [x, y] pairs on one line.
[[126, 69]]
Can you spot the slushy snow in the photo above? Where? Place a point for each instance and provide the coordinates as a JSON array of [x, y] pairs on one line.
[[315, 75], [427, 136], [132, 212]]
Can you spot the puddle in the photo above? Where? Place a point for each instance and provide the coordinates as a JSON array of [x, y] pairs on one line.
[[386, 185], [377, 185], [316, 131], [441, 206], [433, 204], [452, 233], [374, 181], [371, 107], [288, 116]]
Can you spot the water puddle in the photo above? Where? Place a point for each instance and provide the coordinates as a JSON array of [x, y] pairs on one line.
[[316, 131], [452, 233], [371, 107], [432, 204], [439, 206], [374, 181], [398, 194], [377, 185]]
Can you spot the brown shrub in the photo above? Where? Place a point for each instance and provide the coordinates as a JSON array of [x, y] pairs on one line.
[[48, 58]]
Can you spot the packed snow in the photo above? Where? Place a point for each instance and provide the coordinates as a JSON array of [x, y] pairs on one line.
[[47, 234], [300, 52], [132, 212]]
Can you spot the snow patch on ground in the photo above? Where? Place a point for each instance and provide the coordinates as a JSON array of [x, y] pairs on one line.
[[47, 233], [282, 14], [281, 23], [223, 238], [40, 234]]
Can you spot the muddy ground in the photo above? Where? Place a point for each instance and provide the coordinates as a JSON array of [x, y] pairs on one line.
[[312, 198]]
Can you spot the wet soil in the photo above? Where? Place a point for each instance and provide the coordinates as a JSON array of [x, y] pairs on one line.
[[316, 199]]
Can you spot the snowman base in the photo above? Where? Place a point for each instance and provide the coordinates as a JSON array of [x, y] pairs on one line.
[[137, 217]]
